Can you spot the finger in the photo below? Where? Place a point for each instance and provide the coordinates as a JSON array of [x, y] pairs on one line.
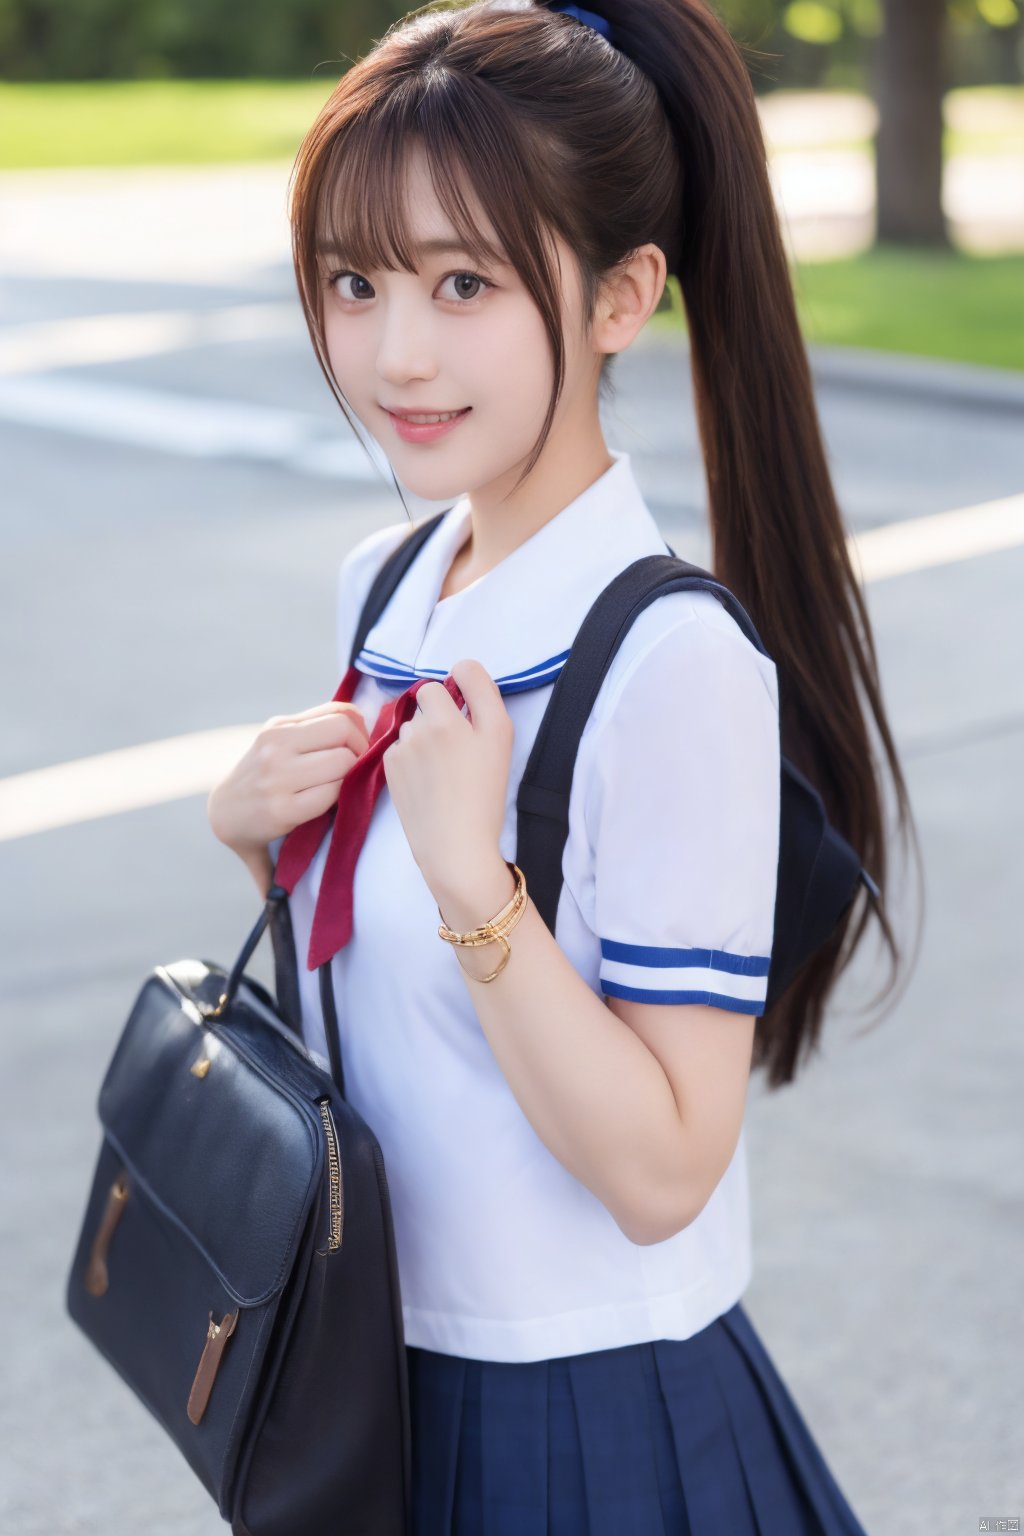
[[331, 709], [312, 802], [331, 730], [307, 738], [434, 700], [481, 693], [328, 766]]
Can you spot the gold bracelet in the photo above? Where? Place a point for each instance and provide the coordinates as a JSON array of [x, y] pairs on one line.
[[502, 923]]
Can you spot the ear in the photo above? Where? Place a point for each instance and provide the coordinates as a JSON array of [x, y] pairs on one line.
[[629, 296]]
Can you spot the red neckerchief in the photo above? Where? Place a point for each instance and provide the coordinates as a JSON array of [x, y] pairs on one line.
[[357, 794]]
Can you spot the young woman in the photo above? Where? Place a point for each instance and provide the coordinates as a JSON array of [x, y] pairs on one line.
[[485, 213]]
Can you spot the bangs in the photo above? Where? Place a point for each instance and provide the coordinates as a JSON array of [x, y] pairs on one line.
[[498, 175], [363, 211]]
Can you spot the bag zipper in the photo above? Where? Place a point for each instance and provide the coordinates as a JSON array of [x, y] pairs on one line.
[[331, 1135], [334, 1176]]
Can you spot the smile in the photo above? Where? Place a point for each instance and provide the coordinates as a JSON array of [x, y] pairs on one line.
[[426, 426]]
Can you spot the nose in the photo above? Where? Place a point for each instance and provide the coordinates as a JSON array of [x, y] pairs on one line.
[[406, 343]]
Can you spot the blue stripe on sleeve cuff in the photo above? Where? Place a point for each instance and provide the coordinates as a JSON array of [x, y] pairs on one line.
[[713, 999], [647, 973]]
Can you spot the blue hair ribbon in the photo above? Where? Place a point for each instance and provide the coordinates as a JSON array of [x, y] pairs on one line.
[[589, 18]]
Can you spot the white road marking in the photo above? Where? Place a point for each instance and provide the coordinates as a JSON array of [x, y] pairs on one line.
[[939, 539], [33, 394], [83, 340], [159, 771], [124, 780], [190, 425]]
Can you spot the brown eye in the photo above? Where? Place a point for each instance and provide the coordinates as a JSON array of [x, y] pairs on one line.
[[460, 280], [358, 293]]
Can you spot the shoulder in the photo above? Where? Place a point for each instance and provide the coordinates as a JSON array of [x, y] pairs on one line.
[[355, 578], [362, 562], [686, 652], [680, 810]]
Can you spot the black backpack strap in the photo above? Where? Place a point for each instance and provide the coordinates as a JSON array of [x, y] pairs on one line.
[[387, 579], [543, 799], [818, 870]]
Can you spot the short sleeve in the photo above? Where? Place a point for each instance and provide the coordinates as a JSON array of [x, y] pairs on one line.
[[682, 812]]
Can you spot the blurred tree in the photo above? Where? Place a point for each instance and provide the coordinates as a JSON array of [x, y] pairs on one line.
[[1008, 49], [909, 88], [911, 52], [1000, 58], [789, 42], [833, 43], [138, 39]]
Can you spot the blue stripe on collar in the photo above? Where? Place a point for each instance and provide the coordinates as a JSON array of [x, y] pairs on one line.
[[386, 669], [529, 674]]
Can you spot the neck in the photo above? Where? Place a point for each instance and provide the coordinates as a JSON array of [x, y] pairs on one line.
[[503, 518]]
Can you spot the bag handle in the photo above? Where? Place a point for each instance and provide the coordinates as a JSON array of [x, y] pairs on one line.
[[220, 1007], [277, 915]]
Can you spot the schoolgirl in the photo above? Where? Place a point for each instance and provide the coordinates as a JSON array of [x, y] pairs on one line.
[[484, 214]]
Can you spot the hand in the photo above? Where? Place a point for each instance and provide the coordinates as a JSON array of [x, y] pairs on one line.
[[290, 774], [448, 778]]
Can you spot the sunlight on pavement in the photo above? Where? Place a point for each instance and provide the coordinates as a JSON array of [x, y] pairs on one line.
[[939, 539], [125, 780], [85, 340], [156, 772]]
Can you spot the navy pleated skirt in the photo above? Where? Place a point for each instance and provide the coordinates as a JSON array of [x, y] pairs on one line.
[[674, 1437]]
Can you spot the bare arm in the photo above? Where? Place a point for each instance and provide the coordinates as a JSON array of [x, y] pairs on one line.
[[643, 1103]]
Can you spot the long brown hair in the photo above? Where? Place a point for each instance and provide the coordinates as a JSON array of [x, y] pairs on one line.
[[657, 139]]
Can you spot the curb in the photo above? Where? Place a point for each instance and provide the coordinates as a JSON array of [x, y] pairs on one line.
[[899, 373]]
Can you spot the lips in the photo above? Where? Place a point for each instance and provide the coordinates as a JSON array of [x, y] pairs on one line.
[[425, 411], [411, 431]]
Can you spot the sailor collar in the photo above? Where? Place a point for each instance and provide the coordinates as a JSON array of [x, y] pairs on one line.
[[520, 618]]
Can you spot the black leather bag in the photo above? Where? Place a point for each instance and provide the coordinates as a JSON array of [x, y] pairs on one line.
[[236, 1262]]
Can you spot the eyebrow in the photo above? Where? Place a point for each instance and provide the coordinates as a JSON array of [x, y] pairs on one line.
[[440, 245]]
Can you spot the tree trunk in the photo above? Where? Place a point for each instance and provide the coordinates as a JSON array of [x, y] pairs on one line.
[[909, 88]]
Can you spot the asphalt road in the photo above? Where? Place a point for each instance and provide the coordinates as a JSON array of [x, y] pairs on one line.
[[173, 519]]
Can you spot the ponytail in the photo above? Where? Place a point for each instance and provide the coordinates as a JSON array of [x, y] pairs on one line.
[[648, 134], [777, 533]]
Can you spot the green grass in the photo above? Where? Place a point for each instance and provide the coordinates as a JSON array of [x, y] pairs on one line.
[[191, 122], [935, 304], [156, 122]]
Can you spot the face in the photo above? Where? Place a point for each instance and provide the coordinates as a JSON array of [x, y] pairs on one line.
[[454, 336]]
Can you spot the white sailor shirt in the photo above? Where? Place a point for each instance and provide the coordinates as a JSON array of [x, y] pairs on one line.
[[668, 896]]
